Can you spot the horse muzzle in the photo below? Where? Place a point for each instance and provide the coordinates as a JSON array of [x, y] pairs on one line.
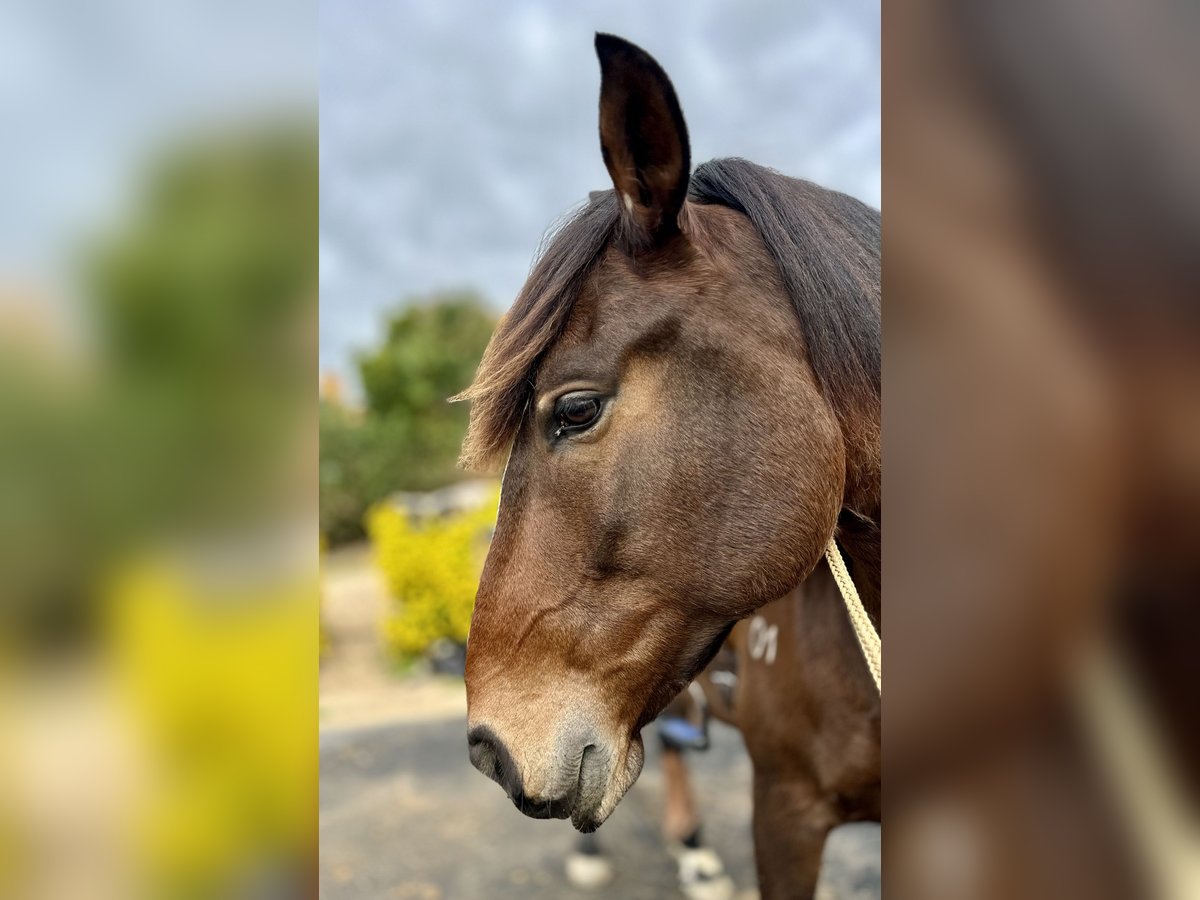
[[574, 779]]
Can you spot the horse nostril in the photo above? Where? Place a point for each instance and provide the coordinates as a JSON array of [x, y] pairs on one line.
[[483, 752], [490, 756], [479, 736]]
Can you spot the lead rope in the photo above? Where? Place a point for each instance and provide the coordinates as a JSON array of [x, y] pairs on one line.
[[868, 640]]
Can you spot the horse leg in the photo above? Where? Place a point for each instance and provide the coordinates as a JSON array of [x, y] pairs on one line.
[[681, 821], [791, 823], [701, 873]]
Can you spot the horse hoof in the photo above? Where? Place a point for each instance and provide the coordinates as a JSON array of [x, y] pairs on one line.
[[589, 871], [701, 874]]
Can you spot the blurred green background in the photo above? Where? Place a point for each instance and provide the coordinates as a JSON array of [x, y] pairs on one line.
[[182, 412]]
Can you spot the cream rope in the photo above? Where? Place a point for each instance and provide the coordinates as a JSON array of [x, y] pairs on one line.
[[1144, 780], [868, 640]]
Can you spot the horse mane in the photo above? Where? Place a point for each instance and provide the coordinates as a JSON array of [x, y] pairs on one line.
[[826, 246], [504, 381]]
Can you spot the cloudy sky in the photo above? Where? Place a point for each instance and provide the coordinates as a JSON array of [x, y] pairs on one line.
[[90, 91], [454, 133]]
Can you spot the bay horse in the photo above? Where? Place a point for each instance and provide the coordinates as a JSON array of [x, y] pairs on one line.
[[687, 389]]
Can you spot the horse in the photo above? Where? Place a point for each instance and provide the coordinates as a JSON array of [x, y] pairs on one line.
[[687, 393]]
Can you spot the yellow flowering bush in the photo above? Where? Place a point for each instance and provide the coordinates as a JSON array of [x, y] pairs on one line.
[[219, 675], [432, 570]]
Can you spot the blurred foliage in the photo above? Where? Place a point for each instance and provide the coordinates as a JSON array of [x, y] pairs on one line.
[[200, 306], [408, 437], [183, 414], [432, 570], [57, 486]]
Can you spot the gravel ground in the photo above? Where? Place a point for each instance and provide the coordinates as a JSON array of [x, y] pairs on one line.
[[403, 815]]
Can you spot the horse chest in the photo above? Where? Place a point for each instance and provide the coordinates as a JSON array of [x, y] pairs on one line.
[[802, 703]]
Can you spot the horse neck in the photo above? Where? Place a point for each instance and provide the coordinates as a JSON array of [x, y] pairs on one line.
[[859, 523], [859, 529], [859, 539], [859, 424]]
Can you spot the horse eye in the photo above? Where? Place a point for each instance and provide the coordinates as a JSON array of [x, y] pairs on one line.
[[575, 412]]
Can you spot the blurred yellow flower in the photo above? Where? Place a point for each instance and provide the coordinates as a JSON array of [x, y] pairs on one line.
[[432, 570], [210, 670]]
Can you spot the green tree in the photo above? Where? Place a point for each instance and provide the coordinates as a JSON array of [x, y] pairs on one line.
[[430, 353], [409, 435]]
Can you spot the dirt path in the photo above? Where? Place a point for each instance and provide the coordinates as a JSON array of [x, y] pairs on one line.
[[359, 684]]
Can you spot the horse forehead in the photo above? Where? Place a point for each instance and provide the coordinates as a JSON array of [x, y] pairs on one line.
[[608, 316], [624, 296], [718, 265], [711, 276]]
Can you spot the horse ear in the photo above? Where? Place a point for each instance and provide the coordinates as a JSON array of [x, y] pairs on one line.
[[643, 138]]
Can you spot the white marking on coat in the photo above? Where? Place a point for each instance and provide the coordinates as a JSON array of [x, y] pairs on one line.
[[764, 640]]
